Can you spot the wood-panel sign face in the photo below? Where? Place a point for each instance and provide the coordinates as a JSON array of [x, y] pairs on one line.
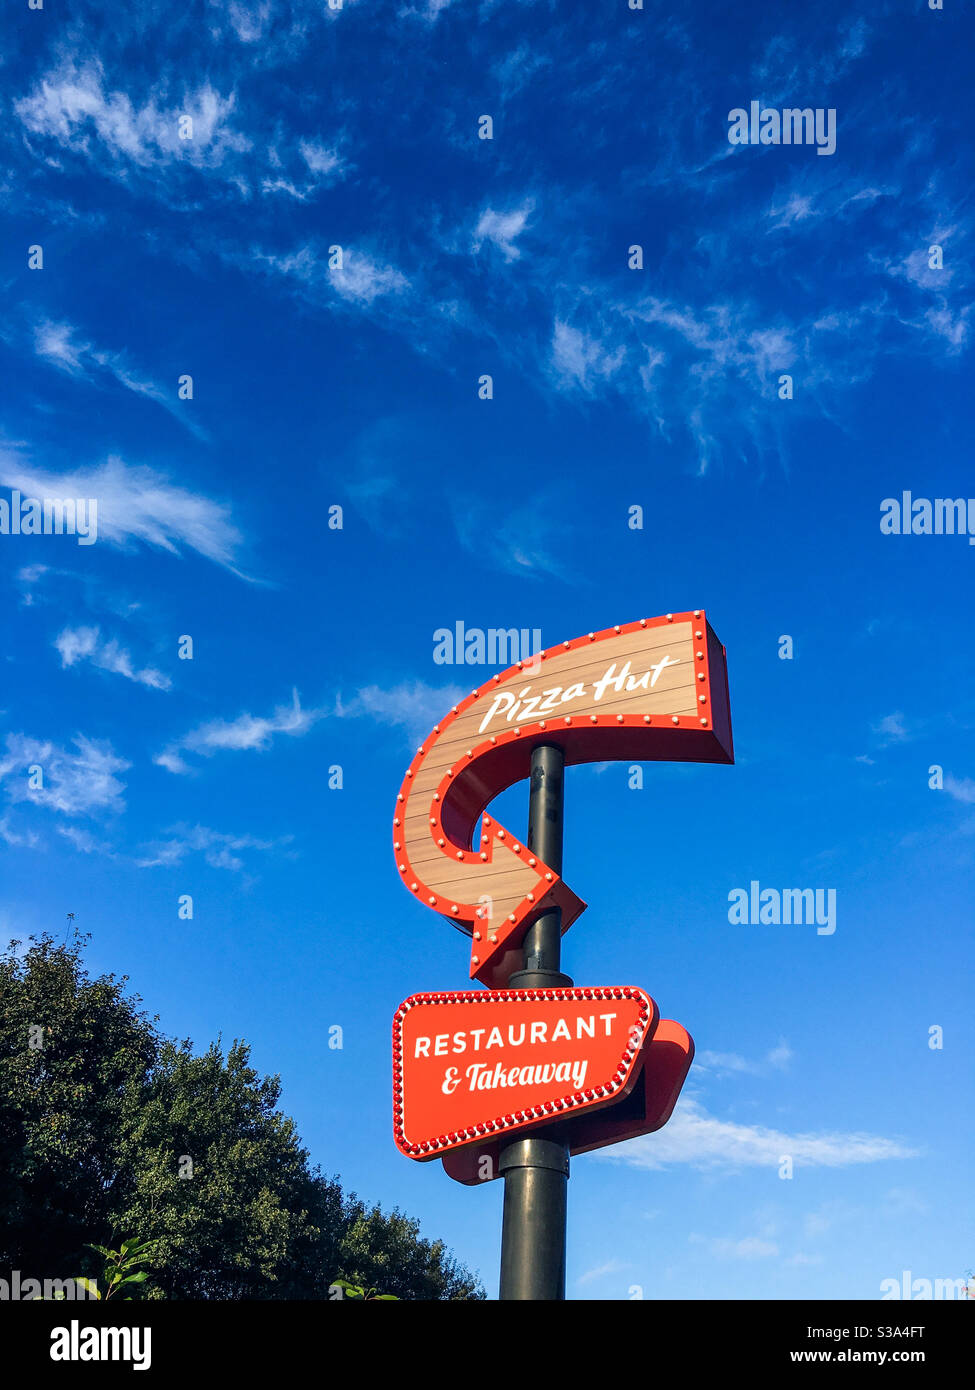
[[653, 690], [488, 1063]]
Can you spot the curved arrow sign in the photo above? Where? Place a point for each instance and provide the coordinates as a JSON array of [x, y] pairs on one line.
[[653, 690]]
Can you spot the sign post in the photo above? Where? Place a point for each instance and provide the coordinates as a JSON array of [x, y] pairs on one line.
[[512, 1079], [536, 1170]]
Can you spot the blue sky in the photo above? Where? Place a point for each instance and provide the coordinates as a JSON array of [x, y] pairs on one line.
[[661, 387]]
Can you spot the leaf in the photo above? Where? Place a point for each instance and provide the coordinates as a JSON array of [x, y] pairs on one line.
[[90, 1286], [101, 1250], [136, 1278], [351, 1290]]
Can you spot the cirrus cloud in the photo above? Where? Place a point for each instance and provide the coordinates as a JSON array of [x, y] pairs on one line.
[[137, 504], [80, 783], [701, 1140], [247, 731], [76, 644]]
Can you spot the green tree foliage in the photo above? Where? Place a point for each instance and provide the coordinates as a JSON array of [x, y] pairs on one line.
[[108, 1127], [75, 1058], [385, 1252]]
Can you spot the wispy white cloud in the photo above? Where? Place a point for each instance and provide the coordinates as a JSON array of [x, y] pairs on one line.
[[579, 359], [788, 64], [796, 208], [517, 68], [531, 539], [950, 325], [324, 161], [79, 783], [59, 345], [72, 105], [360, 281], [83, 840], [249, 22], [502, 229], [17, 839], [600, 1271], [137, 503], [76, 644], [430, 10], [746, 1248], [412, 706], [892, 729], [701, 1140], [905, 1201], [27, 578], [776, 1059], [930, 309], [246, 732], [169, 129], [220, 850], [321, 166], [55, 343], [961, 788], [916, 269]]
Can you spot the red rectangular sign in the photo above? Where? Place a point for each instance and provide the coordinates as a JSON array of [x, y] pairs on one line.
[[490, 1062]]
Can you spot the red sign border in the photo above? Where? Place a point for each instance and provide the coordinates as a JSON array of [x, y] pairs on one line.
[[591, 1098]]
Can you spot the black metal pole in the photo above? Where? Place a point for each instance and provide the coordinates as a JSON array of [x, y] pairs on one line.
[[536, 1169]]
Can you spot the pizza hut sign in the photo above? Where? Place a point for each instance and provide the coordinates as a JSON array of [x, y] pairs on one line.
[[590, 1066]]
